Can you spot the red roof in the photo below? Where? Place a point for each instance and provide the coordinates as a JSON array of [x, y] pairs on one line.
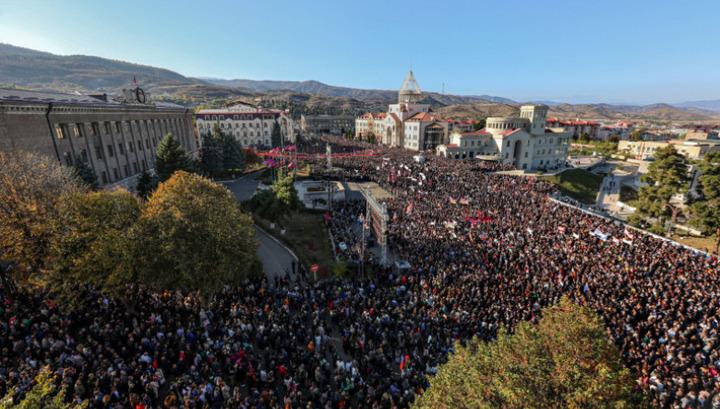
[[571, 123], [476, 133], [423, 117]]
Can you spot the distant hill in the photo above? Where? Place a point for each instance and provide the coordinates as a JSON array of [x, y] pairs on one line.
[[26, 68], [78, 73], [319, 88], [708, 105]]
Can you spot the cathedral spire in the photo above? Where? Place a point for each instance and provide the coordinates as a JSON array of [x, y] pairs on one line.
[[410, 90]]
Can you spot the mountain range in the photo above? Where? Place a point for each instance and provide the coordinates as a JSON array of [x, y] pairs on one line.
[[31, 69]]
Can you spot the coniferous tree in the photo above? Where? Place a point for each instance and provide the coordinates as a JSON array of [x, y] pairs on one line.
[[211, 154], [85, 174], [667, 176], [706, 211], [233, 155], [171, 157], [276, 136], [146, 184]]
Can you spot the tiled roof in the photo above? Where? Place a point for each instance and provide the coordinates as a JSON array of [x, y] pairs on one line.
[[423, 117]]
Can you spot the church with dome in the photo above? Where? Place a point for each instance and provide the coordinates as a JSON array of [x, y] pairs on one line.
[[409, 123]]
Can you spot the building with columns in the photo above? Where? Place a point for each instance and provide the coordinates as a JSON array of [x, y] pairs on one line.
[[523, 142], [116, 138], [409, 123]]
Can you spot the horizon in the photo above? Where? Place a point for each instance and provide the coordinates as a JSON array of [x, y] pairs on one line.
[[374, 50]]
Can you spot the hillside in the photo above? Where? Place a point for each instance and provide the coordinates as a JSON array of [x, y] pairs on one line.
[[26, 68], [649, 113], [44, 71]]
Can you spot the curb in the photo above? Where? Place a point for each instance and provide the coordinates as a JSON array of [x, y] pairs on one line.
[[273, 238]]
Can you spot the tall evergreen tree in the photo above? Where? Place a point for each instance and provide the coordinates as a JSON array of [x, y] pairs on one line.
[[667, 176], [146, 184], [171, 157], [233, 154], [85, 174], [276, 135], [211, 154], [706, 211]]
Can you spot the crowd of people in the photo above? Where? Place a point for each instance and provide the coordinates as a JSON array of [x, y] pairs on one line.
[[485, 251]]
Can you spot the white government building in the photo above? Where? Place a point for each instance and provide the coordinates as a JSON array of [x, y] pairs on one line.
[[250, 125], [409, 123], [524, 142]]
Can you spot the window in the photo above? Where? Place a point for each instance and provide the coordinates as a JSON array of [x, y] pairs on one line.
[[107, 128], [95, 129], [59, 132], [127, 170], [111, 151], [115, 172], [104, 178], [121, 149], [98, 152], [68, 158], [118, 127], [135, 167], [76, 131], [84, 155]]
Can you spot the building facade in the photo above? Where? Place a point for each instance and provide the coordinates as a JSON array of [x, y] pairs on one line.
[[576, 128], [389, 127], [524, 142], [327, 124], [117, 139], [692, 149], [250, 125]]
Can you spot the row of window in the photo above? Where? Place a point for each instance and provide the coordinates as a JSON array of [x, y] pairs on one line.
[[241, 117], [63, 130]]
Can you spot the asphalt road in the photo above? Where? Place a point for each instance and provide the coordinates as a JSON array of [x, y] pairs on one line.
[[276, 260]]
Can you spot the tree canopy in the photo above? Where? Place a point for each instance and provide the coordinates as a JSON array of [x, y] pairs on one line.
[[191, 234], [91, 244], [667, 176], [706, 210], [44, 394], [84, 173], [171, 157], [564, 361], [276, 135], [221, 154], [30, 185]]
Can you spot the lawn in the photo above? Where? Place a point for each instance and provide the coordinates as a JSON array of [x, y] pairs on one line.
[[306, 235], [578, 183], [701, 243]]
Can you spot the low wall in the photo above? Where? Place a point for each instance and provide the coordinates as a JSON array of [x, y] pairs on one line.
[[665, 239]]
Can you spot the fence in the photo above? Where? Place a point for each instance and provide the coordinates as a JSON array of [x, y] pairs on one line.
[[665, 239]]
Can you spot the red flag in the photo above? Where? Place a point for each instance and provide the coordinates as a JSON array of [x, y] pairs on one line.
[[409, 208]]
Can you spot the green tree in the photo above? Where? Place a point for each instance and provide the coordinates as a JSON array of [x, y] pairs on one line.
[[192, 235], [233, 160], [92, 239], [146, 184], [275, 135], [44, 394], [285, 192], [30, 185], [637, 134], [667, 176], [706, 211], [211, 153], [564, 361], [171, 157], [480, 124], [85, 174]]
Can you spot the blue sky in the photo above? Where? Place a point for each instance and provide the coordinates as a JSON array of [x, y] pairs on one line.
[[632, 51]]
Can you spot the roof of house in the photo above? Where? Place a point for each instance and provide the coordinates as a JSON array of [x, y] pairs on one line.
[[423, 117]]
